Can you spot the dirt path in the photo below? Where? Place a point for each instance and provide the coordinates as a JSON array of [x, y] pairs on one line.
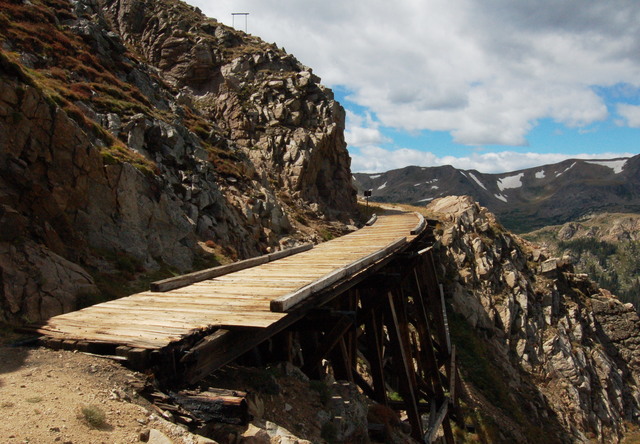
[[43, 392]]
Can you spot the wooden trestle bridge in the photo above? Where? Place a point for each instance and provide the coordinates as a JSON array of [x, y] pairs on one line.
[[371, 296]]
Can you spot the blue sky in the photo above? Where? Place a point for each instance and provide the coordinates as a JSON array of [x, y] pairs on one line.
[[492, 85]]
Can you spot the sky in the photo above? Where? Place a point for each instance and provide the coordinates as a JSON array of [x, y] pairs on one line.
[[491, 85]]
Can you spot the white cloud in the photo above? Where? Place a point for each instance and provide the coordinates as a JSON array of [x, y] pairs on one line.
[[362, 130], [631, 114], [375, 159], [484, 70]]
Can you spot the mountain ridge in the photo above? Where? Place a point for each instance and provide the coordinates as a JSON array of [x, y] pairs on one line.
[[522, 200]]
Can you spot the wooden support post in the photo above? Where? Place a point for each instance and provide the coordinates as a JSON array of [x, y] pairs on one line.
[[373, 336], [344, 361], [454, 388], [330, 340], [436, 419], [435, 301], [430, 363], [352, 337], [406, 371], [364, 385], [282, 346], [431, 357], [445, 318]]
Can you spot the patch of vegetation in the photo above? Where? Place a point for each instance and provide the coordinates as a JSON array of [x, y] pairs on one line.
[[475, 358], [326, 235], [483, 428], [93, 416], [118, 153], [615, 267], [34, 399], [600, 249]]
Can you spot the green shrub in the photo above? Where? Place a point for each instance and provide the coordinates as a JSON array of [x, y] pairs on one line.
[[93, 416]]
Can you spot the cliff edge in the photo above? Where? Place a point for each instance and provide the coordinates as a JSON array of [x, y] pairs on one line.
[[547, 356]]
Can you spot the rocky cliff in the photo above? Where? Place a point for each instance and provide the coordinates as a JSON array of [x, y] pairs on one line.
[[140, 135], [547, 355]]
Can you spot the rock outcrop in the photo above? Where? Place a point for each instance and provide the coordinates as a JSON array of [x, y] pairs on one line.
[[565, 352], [133, 132]]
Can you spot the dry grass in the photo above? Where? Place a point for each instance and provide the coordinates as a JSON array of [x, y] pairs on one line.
[[93, 416]]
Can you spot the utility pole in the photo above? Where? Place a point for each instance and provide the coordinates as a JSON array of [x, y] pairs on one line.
[[233, 19]]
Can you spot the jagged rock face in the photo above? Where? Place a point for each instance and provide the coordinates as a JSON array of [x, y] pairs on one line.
[[142, 129], [269, 104], [553, 333]]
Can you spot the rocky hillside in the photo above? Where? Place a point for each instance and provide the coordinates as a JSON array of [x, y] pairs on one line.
[[141, 137], [605, 246], [547, 356], [523, 200]]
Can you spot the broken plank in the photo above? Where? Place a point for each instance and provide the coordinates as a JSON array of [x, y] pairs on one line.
[[436, 421]]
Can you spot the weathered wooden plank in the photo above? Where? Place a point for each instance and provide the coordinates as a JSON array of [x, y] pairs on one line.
[[163, 316], [248, 283], [187, 279], [422, 223], [116, 328], [214, 405], [172, 322], [430, 435], [285, 302], [373, 336], [111, 338], [201, 301]]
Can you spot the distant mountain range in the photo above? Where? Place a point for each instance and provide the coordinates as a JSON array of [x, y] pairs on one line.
[[523, 200]]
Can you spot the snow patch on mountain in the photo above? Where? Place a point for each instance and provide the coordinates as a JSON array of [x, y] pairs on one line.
[[616, 165], [510, 182], [562, 172], [477, 180]]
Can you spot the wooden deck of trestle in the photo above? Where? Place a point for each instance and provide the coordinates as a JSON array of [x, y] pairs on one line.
[[255, 297]]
